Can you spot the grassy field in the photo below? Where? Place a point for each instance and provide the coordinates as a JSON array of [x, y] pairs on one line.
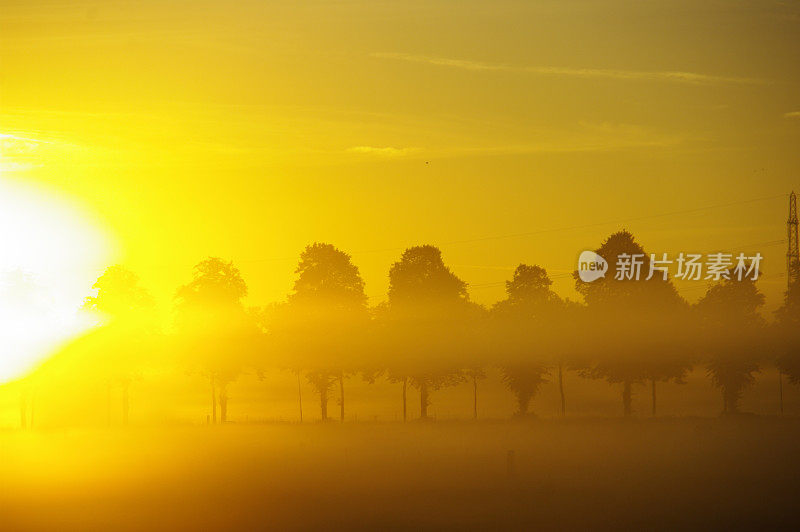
[[602, 474]]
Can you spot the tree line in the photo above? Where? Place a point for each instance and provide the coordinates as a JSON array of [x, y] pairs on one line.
[[428, 334]]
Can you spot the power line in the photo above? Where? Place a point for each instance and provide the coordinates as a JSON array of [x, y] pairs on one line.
[[626, 220], [554, 229]]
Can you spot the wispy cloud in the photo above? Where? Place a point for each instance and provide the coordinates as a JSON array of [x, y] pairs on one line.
[[21, 151], [597, 73], [15, 152], [8, 137], [792, 114], [581, 138], [386, 151]]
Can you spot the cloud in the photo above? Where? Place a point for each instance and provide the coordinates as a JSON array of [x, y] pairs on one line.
[[581, 138], [21, 151], [16, 152], [589, 73], [14, 144], [387, 151], [10, 137], [792, 114]]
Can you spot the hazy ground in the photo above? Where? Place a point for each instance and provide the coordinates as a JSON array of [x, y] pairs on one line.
[[606, 474]]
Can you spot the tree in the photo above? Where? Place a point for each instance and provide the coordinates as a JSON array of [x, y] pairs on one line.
[[323, 382], [119, 295], [524, 380], [633, 325], [732, 328], [215, 326], [523, 326], [428, 318], [325, 322], [129, 308], [421, 279]]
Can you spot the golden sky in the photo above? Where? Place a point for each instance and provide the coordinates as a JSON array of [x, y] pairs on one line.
[[505, 132]]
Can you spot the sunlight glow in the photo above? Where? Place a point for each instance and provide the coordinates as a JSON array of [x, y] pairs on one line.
[[50, 255]]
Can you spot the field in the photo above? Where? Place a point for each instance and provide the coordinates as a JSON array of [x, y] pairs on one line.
[[589, 473]]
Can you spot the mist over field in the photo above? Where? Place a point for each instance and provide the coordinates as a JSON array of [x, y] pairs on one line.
[[631, 409]]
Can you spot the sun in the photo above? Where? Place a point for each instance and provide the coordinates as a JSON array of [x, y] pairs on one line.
[[50, 254]]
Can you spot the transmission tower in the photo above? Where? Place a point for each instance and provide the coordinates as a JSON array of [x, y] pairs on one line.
[[792, 254]]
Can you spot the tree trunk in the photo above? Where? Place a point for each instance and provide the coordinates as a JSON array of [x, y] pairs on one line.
[[474, 397], [405, 385], [653, 383], [523, 403], [341, 398], [780, 390], [733, 402], [300, 396], [323, 402], [626, 398], [561, 389], [423, 401], [125, 402], [223, 403], [213, 400]]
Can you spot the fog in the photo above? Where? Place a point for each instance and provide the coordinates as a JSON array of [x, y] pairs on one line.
[[630, 408]]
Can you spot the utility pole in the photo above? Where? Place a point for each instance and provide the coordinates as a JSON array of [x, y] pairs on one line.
[[792, 254], [792, 266]]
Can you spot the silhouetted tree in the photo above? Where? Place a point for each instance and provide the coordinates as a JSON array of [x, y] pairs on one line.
[[119, 294], [428, 318], [523, 326], [420, 278], [326, 322], [524, 381], [628, 319], [322, 382], [129, 308], [218, 330], [732, 327]]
